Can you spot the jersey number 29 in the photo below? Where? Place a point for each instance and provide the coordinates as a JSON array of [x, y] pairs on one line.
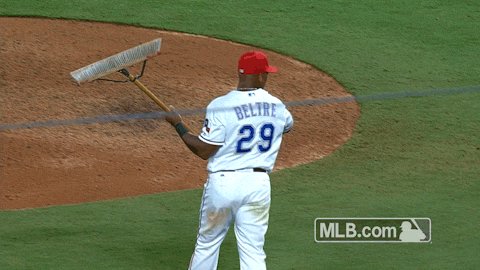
[[248, 134]]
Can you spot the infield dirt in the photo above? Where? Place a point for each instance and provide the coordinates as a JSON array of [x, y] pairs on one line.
[[73, 164]]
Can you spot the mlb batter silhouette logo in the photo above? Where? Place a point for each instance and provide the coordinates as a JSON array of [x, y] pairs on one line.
[[411, 235]]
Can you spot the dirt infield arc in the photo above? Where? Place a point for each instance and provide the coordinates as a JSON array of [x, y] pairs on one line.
[[63, 165]]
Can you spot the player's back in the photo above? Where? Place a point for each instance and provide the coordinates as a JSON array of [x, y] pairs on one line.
[[249, 126]]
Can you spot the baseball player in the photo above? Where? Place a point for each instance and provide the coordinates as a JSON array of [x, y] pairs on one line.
[[240, 138]]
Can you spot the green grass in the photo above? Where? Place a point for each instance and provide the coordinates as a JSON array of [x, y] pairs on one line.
[[129, 234], [408, 157]]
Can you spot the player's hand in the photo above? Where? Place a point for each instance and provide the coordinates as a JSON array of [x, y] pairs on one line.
[[173, 117]]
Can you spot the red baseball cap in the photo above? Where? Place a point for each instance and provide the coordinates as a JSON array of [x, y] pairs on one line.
[[254, 62]]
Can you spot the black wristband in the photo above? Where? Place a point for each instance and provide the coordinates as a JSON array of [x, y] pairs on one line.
[[181, 129]]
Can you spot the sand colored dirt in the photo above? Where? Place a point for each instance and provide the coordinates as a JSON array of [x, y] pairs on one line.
[[73, 164]]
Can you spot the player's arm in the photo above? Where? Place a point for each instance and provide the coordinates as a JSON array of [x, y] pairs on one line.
[[198, 147], [288, 121]]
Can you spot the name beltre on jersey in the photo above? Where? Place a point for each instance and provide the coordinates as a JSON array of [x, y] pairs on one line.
[[255, 109]]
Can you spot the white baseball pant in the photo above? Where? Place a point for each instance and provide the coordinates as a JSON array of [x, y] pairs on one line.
[[242, 197]]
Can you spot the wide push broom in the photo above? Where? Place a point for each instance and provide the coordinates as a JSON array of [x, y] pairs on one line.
[[119, 63]]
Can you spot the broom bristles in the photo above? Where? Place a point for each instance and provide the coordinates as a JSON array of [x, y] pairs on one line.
[[117, 62]]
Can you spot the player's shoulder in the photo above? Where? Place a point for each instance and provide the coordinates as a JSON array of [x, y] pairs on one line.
[[235, 97], [223, 100], [269, 96]]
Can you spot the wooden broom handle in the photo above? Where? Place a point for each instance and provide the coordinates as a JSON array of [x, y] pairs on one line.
[[151, 95]]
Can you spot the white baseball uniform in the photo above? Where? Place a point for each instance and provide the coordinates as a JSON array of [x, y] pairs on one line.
[[248, 125]]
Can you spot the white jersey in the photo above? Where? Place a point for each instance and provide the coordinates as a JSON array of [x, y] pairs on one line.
[[249, 126]]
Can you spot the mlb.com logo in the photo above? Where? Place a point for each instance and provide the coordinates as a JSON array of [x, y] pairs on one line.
[[373, 230]]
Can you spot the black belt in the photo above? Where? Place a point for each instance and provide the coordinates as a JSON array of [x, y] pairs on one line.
[[254, 169]]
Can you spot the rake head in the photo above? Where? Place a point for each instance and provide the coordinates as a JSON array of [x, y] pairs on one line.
[[117, 62]]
